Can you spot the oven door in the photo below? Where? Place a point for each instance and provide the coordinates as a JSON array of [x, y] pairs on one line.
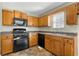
[[20, 44]]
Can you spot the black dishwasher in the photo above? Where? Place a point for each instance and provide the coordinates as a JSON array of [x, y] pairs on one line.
[[41, 40]]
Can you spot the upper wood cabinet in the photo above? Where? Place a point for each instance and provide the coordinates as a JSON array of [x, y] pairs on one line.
[[77, 7], [6, 43], [24, 16], [32, 21], [7, 18], [33, 39], [71, 14], [38, 22], [43, 21], [17, 14]]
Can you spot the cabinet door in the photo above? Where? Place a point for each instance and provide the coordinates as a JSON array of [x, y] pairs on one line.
[[35, 21], [7, 19], [71, 14], [48, 43], [7, 44], [57, 46], [32, 21], [33, 39], [77, 7], [68, 47], [24, 16], [43, 21], [40, 23], [17, 14]]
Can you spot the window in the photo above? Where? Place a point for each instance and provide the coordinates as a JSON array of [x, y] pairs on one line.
[[58, 20]]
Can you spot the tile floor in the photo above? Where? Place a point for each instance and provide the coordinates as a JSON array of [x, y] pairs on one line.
[[33, 51]]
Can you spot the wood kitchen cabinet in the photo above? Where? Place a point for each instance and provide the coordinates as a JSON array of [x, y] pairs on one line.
[[32, 21], [48, 43], [54, 44], [77, 4], [35, 23], [24, 16], [7, 18], [60, 46], [68, 46], [6, 43], [17, 14], [71, 14], [57, 45], [43, 21], [38, 22], [21, 15], [33, 39]]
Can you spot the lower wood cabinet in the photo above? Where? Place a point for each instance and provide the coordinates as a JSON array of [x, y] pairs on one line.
[[33, 39], [60, 46], [6, 43], [48, 43], [57, 45], [68, 46]]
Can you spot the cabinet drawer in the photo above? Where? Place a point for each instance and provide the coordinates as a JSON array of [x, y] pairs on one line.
[[69, 40], [48, 36], [7, 36]]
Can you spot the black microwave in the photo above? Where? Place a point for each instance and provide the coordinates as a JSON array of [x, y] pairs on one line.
[[20, 22]]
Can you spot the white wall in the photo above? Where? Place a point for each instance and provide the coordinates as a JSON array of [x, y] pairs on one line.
[[0, 24], [0, 14], [78, 36]]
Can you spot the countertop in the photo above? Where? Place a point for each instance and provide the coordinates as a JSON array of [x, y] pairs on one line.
[[63, 34]]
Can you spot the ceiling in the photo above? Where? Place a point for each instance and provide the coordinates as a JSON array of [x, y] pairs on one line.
[[34, 8]]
